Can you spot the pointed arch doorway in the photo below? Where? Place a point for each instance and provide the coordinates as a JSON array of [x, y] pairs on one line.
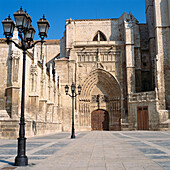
[[100, 120], [100, 83]]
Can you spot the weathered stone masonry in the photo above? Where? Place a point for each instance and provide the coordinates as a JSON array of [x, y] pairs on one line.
[[121, 64]]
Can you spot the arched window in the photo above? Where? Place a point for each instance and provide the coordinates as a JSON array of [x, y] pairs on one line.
[[99, 36]]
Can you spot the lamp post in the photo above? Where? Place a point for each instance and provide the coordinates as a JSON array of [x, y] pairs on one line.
[[73, 95], [26, 34]]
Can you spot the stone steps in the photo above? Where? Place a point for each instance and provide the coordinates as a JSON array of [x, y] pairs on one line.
[[124, 126], [165, 125], [4, 115]]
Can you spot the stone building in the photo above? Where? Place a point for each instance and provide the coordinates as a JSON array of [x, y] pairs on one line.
[[121, 64]]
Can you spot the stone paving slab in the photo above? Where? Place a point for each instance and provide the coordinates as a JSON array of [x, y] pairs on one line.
[[105, 150]]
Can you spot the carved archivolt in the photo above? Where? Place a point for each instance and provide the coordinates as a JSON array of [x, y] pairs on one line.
[[108, 99], [106, 81]]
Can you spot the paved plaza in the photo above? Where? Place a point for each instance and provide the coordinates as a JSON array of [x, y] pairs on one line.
[[95, 150]]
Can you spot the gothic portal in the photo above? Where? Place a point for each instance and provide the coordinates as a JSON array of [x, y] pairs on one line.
[[100, 90]]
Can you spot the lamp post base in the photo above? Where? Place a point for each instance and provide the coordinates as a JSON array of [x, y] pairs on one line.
[[73, 136], [21, 161], [73, 131]]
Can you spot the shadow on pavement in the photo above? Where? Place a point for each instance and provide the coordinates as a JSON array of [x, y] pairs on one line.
[[10, 163]]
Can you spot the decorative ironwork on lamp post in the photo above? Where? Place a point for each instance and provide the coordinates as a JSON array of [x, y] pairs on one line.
[[26, 34], [73, 95]]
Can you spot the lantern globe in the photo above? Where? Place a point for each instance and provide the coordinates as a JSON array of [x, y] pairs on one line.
[[43, 26], [79, 89], [8, 26], [21, 19], [30, 34], [73, 87], [66, 89], [29, 20]]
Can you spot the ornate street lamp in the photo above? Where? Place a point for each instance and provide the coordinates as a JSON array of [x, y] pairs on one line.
[[73, 95], [43, 26], [26, 34], [66, 89], [8, 26], [79, 89]]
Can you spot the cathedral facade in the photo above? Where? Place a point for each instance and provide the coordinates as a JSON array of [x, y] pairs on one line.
[[121, 65]]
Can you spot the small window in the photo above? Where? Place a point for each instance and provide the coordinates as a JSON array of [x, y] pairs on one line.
[[139, 108], [145, 108], [95, 38], [99, 36]]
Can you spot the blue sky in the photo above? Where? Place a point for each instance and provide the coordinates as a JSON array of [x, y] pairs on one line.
[[57, 11]]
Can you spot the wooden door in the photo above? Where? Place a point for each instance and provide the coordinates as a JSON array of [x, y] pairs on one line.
[[100, 120], [142, 118]]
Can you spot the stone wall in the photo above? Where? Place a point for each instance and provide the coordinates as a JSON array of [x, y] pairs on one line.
[[119, 59], [65, 70], [143, 99], [10, 129], [50, 49], [40, 90], [3, 72], [162, 31], [123, 53]]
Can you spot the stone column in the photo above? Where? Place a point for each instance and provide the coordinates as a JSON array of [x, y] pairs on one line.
[[51, 84], [130, 60], [162, 32], [137, 59], [50, 103], [151, 30], [43, 93], [34, 96], [55, 117], [130, 68], [13, 82], [55, 89]]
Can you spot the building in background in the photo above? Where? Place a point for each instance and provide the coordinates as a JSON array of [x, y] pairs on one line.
[[122, 66]]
